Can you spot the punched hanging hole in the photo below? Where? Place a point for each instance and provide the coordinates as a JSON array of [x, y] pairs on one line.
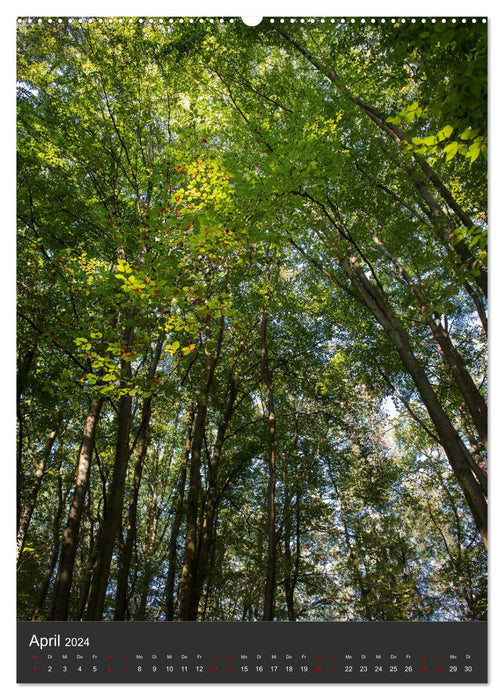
[[251, 21]]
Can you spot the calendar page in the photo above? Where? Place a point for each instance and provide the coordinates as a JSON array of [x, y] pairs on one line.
[[252, 349]]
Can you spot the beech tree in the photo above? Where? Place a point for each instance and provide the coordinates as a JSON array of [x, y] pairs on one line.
[[252, 320]]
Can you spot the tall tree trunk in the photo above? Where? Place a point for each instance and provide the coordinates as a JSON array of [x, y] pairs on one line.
[[475, 403], [472, 268], [462, 462], [292, 563], [188, 577], [177, 520], [212, 497], [59, 610], [29, 507], [448, 236], [126, 554], [289, 578], [470, 476], [270, 583], [352, 557], [22, 376], [85, 586], [51, 564], [115, 499], [148, 570], [210, 576], [131, 527]]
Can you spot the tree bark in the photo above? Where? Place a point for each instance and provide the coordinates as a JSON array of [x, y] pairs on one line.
[[267, 378], [131, 527], [469, 474], [474, 402], [115, 498], [188, 576], [22, 375], [126, 555], [352, 558], [59, 610], [462, 462], [177, 520], [51, 565], [292, 565], [29, 507], [148, 571], [212, 498]]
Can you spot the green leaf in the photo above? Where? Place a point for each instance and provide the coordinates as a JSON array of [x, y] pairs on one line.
[[451, 150], [445, 132], [473, 151]]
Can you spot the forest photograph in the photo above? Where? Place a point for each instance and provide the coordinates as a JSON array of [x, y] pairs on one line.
[[251, 319]]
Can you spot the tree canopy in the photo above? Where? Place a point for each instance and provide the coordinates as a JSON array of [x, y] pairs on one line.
[[252, 294]]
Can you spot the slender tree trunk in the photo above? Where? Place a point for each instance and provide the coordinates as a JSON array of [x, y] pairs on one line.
[[289, 579], [208, 526], [59, 610], [177, 520], [270, 584], [446, 230], [463, 464], [352, 558], [51, 564], [148, 571], [209, 580], [474, 402], [472, 267], [84, 591], [22, 376], [292, 566], [126, 555], [468, 472], [429, 220], [131, 528], [29, 507], [115, 499], [188, 577], [140, 614]]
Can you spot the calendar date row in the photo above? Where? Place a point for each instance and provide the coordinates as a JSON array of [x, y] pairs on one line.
[[149, 668]]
